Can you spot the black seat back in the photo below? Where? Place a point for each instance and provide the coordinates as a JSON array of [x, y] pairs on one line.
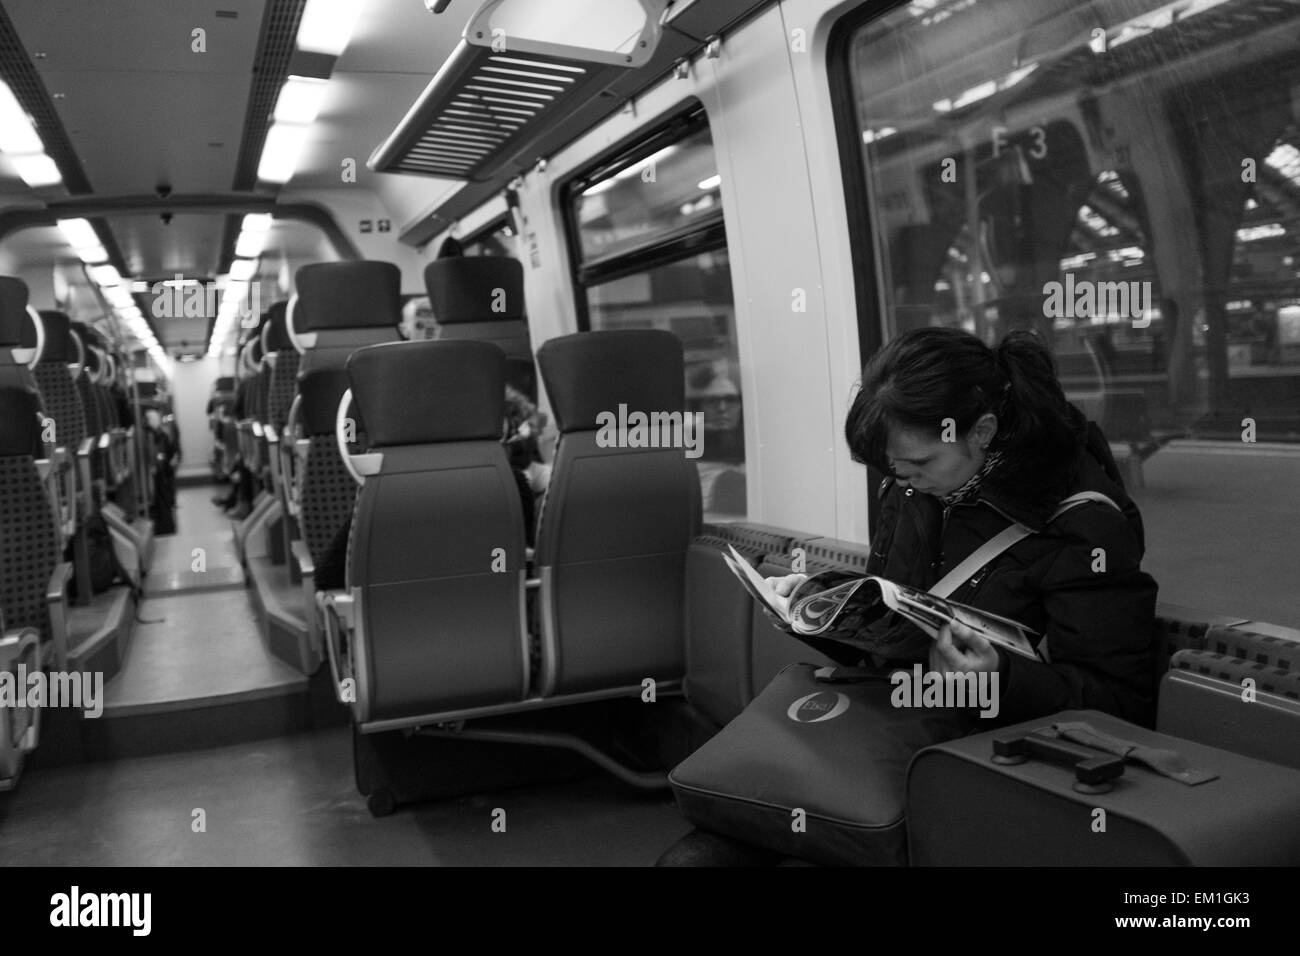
[[29, 536], [341, 307], [437, 549], [616, 521], [480, 298]]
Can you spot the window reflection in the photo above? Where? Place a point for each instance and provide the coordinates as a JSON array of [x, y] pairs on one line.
[[1018, 153], [640, 229]]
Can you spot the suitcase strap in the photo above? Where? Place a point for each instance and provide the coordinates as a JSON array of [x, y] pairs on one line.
[[1167, 763]]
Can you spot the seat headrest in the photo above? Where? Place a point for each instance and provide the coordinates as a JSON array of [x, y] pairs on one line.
[[347, 295], [475, 289], [14, 322], [419, 393], [321, 390], [275, 336], [20, 422], [60, 346], [593, 372]]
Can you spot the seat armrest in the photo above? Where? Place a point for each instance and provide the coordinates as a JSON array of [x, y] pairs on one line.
[[310, 597], [23, 724], [301, 554], [273, 459], [56, 599], [338, 614]]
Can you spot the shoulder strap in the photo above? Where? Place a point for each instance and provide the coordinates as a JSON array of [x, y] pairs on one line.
[[1003, 540], [1080, 498]]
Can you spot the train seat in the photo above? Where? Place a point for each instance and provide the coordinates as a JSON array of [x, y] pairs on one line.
[[62, 360], [20, 725], [280, 359], [249, 427], [341, 307], [433, 619], [338, 308], [33, 579], [328, 492], [21, 334], [617, 518], [481, 298]]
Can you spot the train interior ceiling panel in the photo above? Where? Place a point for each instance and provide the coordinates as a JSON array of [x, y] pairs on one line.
[[409, 404]]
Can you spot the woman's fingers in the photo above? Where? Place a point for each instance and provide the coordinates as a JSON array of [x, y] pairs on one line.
[[783, 586]]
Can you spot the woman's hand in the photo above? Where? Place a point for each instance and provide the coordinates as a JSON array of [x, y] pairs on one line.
[[960, 649], [784, 586]]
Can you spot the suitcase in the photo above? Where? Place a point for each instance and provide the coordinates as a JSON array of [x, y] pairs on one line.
[[1019, 796]]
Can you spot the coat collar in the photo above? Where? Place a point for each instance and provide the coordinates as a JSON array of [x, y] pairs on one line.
[[1032, 503]]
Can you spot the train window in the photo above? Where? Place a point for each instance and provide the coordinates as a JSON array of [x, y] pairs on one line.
[[650, 252], [1125, 179]]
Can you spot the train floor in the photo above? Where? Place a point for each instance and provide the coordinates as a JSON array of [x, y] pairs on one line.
[[283, 800]]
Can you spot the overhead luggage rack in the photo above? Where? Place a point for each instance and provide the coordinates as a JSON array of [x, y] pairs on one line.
[[484, 109], [504, 86], [490, 113]]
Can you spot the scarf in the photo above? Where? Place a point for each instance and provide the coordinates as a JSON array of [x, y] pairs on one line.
[[971, 488]]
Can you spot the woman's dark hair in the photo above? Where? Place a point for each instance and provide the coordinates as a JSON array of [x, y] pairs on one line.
[[927, 375], [450, 249]]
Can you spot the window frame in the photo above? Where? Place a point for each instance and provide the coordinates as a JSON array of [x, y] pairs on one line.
[[857, 203], [707, 235]]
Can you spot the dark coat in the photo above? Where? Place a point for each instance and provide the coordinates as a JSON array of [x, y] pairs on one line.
[[1098, 626]]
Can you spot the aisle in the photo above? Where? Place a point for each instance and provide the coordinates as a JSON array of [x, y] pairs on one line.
[[197, 642]]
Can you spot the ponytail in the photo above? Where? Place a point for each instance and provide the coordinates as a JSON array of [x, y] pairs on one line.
[[927, 375]]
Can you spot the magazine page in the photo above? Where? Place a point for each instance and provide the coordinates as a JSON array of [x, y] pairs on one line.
[[815, 614], [931, 613], [757, 587]]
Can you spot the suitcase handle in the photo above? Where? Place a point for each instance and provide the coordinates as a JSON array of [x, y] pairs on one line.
[[1093, 772]]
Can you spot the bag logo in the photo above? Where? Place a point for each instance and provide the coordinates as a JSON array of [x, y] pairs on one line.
[[814, 708]]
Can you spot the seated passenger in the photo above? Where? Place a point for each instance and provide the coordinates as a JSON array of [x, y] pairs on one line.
[[1015, 449]]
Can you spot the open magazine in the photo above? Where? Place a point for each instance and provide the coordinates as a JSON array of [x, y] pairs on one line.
[[838, 605]]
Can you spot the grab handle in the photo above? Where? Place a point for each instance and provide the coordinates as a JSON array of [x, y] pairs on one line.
[[1093, 772]]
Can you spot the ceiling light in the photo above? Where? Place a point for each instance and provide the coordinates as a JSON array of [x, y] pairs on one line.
[[37, 170], [92, 255], [79, 233], [250, 244], [17, 135], [105, 275], [326, 26], [256, 222], [241, 270], [713, 182], [300, 100], [284, 143]]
